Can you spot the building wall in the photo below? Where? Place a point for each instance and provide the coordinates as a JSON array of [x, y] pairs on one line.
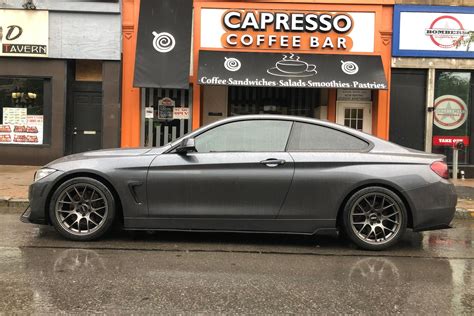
[[39, 154], [75, 35], [78, 31], [131, 113]]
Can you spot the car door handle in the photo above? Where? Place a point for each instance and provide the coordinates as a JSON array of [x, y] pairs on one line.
[[272, 162]]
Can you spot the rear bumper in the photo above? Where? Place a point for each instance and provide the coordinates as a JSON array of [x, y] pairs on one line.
[[433, 206]]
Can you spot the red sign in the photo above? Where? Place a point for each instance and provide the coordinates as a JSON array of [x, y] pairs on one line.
[[446, 31], [450, 141]]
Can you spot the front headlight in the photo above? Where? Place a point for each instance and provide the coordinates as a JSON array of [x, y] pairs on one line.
[[43, 173]]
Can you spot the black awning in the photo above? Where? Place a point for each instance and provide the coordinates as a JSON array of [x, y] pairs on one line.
[[164, 44], [291, 70]]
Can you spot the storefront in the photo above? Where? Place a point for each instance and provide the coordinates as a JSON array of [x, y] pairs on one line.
[[59, 86], [327, 61], [433, 80]]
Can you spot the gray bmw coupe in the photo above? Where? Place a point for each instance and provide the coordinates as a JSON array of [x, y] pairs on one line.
[[260, 173]]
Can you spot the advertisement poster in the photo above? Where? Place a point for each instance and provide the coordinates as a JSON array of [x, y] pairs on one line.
[[180, 113], [26, 130], [450, 116], [165, 108]]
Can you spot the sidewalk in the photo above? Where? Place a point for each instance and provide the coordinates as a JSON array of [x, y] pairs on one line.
[[14, 182]]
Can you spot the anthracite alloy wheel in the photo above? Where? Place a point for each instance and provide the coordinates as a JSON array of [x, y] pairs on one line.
[[375, 218], [82, 209]]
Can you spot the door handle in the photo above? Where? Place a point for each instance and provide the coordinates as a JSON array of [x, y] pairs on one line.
[[272, 162]]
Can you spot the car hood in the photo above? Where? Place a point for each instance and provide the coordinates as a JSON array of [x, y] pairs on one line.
[[104, 153]]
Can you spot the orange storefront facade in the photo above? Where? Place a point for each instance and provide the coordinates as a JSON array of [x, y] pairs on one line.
[[303, 37]]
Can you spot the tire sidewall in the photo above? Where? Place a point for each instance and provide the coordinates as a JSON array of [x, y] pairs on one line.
[[110, 212], [347, 223]]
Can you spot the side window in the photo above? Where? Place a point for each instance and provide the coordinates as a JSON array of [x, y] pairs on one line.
[[245, 136], [310, 137]]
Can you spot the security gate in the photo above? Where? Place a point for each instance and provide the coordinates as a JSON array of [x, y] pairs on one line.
[[166, 115]]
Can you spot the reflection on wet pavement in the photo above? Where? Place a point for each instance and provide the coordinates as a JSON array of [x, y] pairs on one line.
[[429, 273]]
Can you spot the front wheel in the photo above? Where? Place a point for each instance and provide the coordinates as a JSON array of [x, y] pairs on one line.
[[82, 209], [375, 218]]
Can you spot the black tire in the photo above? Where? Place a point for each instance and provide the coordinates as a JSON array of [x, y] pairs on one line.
[[366, 215], [97, 206]]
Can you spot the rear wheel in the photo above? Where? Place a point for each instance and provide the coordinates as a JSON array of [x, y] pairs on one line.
[[82, 209], [375, 218]]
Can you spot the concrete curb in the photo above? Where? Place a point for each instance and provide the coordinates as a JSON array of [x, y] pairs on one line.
[[12, 205], [8, 204], [462, 213]]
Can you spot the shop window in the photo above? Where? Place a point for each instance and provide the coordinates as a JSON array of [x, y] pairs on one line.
[[354, 118], [310, 137], [271, 100], [24, 113], [246, 136], [452, 113]]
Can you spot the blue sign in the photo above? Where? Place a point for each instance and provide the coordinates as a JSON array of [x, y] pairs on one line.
[[433, 31]]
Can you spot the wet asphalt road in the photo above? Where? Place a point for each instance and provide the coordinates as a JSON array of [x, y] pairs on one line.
[[428, 273]]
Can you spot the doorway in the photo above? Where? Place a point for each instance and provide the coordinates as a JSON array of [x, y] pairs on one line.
[[408, 108], [355, 114], [85, 133]]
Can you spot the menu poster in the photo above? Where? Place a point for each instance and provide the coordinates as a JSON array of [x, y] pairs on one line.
[[14, 116], [28, 133], [165, 112]]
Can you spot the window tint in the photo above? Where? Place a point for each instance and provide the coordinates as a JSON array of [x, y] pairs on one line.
[[243, 136], [309, 137]]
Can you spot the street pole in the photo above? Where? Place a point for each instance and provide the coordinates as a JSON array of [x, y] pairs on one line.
[[455, 162]]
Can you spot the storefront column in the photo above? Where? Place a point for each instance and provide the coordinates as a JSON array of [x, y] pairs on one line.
[[332, 98], [196, 123], [430, 96], [382, 101], [130, 95]]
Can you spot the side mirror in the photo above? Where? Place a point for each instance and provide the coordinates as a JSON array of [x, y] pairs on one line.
[[187, 145]]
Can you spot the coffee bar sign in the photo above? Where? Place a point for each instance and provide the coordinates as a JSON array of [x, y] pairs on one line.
[[24, 33], [279, 29]]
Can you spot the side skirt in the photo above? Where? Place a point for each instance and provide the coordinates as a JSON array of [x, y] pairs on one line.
[[281, 226]]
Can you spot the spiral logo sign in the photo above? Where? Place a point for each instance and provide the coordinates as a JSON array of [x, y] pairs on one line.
[[163, 42], [232, 64], [349, 67]]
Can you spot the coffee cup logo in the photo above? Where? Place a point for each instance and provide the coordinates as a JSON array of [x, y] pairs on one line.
[[292, 66]]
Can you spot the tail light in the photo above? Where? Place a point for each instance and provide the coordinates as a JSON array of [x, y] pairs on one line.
[[441, 169]]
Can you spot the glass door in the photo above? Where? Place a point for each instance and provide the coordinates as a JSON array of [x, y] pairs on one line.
[[355, 114]]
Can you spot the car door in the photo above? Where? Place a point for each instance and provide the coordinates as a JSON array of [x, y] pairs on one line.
[[240, 170], [326, 161]]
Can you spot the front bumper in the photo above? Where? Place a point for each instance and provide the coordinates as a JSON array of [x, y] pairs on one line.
[[25, 216], [38, 194]]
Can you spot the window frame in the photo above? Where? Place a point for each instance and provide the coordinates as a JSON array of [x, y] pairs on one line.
[[370, 145], [172, 150], [47, 110]]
